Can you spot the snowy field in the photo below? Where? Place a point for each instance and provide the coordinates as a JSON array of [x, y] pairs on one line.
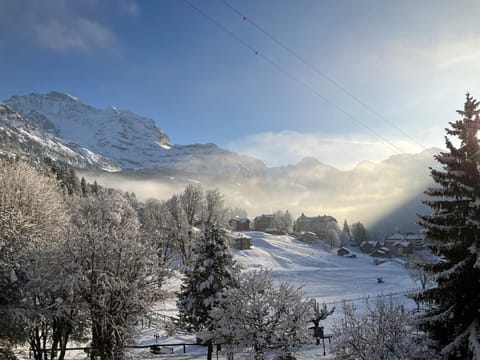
[[320, 272], [314, 267]]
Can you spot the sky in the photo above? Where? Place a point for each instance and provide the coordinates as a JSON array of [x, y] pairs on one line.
[[341, 81]]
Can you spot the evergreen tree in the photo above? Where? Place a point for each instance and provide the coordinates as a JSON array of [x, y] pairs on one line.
[[359, 233], [213, 271], [84, 187], [346, 230], [454, 228], [95, 188]]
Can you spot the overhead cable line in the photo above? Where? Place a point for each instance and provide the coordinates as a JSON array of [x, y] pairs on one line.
[[368, 297], [319, 72], [290, 75]]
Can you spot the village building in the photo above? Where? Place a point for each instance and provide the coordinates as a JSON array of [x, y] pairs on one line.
[[343, 251], [417, 241], [368, 247], [382, 252], [320, 225], [402, 248], [239, 224], [308, 237], [263, 223], [239, 241]]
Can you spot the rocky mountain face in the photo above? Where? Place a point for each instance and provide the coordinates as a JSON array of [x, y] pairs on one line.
[[21, 137], [128, 140]]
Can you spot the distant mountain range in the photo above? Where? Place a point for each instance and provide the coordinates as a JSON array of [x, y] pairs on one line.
[[131, 152]]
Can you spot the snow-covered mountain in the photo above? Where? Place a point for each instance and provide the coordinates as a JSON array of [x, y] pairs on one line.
[[131, 141], [21, 137]]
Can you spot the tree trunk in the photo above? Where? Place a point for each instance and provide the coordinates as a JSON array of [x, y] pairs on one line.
[[210, 350]]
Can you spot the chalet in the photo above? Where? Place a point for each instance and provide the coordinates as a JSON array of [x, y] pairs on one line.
[[308, 237], [343, 251], [402, 248], [276, 232], [416, 240], [368, 247], [320, 225], [239, 224], [382, 252], [263, 222], [240, 241]]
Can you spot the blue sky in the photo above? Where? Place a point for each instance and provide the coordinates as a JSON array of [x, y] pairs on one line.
[[410, 61]]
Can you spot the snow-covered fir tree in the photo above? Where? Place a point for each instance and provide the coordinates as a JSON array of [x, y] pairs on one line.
[[213, 270], [345, 236], [454, 229], [358, 232]]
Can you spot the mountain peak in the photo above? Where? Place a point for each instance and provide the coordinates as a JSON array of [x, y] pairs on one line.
[[61, 96], [113, 109], [309, 161]]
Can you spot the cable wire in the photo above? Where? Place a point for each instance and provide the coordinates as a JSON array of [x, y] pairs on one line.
[[367, 297], [290, 75], [319, 72]]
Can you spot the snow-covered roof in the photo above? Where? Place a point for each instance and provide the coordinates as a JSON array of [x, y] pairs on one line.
[[400, 237], [369, 242], [309, 233], [269, 216], [403, 243], [242, 220], [415, 236], [324, 218], [396, 236]]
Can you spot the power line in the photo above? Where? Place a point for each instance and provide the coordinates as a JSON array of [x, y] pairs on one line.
[[319, 72], [290, 75], [404, 292]]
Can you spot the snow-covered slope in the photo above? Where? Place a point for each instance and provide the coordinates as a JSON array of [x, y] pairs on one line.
[[320, 271], [20, 137], [132, 141], [321, 274]]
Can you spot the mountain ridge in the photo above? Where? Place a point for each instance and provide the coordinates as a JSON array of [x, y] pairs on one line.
[[129, 140]]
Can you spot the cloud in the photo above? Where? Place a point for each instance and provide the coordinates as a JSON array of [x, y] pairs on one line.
[[130, 7], [62, 26], [289, 147], [370, 192], [75, 34], [459, 54]]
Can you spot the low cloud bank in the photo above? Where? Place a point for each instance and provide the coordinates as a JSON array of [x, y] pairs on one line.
[[367, 193]]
